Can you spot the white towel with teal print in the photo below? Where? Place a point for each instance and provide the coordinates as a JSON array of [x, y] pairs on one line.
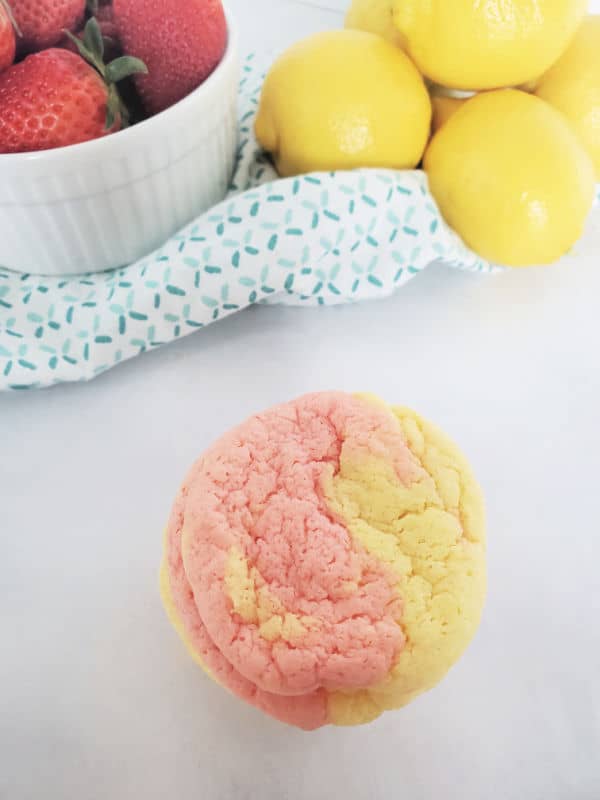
[[318, 239]]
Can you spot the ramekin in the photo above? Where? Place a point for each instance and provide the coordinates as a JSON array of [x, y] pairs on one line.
[[108, 202]]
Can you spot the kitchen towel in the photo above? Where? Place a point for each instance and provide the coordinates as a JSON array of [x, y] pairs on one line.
[[318, 239]]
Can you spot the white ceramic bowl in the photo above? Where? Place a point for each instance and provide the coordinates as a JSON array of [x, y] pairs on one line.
[[105, 203]]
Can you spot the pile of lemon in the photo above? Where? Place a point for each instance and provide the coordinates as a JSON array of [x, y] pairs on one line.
[[499, 100]]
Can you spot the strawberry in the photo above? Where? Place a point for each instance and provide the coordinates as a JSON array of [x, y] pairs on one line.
[[42, 22], [180, 41], [103, 11], [106, 19], [108, 29], [7, 36], [56, 98]]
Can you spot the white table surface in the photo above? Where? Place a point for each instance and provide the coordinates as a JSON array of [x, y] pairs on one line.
[[98, 700]]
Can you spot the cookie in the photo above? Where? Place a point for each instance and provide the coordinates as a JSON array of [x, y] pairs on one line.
[[325, 560]]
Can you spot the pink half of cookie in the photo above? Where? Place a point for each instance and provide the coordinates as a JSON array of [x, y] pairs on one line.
[[274, 595]]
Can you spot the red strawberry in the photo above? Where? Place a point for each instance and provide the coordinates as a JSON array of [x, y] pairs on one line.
[[106, 19], [42, 22], [108, 29], [7, 37], [180, 41], [55, 98]]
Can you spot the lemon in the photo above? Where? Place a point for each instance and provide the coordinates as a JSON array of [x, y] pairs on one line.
[[444, 103], [343, 99], [375, 16], [572, 86], [476, 44], [443, 108], [511, 177]]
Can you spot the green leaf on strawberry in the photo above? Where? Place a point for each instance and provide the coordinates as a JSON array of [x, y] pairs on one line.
[[91, 48], [123, 67], [92, 39]]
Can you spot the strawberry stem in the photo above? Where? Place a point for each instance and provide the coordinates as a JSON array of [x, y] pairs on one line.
[[91, 48], [9, 13]]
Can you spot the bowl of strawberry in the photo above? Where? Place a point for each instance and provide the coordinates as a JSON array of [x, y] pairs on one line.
[[118, 125]]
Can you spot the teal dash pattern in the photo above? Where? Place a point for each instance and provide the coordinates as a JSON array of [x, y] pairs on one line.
[[314, 240]]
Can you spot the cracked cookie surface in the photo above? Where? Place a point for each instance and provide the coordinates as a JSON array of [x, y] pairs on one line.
[[325, 560]]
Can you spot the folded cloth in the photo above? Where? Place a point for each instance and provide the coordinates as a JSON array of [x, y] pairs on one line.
[[318, 239]]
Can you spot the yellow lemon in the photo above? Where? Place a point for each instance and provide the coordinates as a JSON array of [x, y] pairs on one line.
[[444, 103], [443, 108], [375, 16], [511, 177], [343, 99], [572, 86], [472, 44]]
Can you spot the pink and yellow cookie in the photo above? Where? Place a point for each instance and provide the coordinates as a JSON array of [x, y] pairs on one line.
[[325, 560]]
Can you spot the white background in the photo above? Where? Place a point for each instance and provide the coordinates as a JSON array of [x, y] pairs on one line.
[[98, 700]]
